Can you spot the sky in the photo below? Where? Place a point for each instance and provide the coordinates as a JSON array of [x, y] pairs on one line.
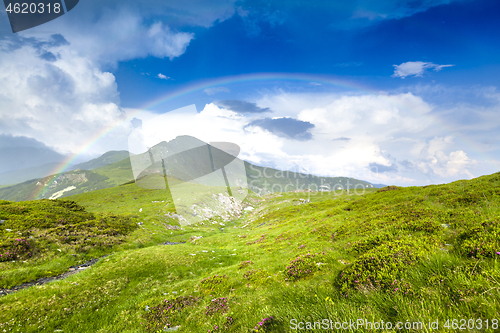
[[392, 92]]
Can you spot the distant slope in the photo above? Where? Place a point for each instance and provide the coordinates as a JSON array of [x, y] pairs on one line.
[[261, 180], [264, 180], [72, 182], [117, 173], [106, 159]]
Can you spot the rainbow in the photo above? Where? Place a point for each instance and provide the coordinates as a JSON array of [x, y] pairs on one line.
[[200, 85]]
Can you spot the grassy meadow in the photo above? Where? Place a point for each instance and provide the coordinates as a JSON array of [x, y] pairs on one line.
[[418, 254]]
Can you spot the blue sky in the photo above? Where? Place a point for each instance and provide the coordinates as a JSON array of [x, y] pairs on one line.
[[392, 92]]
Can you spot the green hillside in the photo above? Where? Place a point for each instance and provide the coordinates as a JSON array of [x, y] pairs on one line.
[[419, 254], [107, 158], [260, 180]]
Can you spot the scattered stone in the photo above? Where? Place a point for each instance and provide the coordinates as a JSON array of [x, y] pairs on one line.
[[173, 243], [193, 239], [171, 329], [175, 216], [2, 221], [171, 227]]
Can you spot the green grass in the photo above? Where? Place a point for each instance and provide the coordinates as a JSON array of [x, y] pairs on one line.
[[422, 254]]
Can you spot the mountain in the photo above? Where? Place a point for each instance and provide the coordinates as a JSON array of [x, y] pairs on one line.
[[106, 159], [261, 180], [265, 180]]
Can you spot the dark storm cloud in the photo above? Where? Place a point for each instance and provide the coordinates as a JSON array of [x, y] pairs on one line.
[[289, 128], [375, 167], [242, 106]]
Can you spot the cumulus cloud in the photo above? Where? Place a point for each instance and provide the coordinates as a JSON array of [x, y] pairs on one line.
[[163, 77], [285, 127], [433, 157], [388, 138], [415, 68], [242, 106], [54, 86], [62, 103]]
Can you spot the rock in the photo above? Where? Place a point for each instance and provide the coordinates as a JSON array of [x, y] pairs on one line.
[[2, 221], [195, 238], [171, 227], [171, 329], [249, 208], [8, 229], [140, 223], [173, 243]]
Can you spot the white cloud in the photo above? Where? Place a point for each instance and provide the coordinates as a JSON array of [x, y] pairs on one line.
[[65, 103], [415, 68], [376, 125], [163, 77], [111, 31]]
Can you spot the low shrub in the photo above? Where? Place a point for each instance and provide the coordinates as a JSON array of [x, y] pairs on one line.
[[385, 264], [217, 305], [227, 324], [215, 283], [301, 266], [256, 275], [480, 241], [266, 325], [164, 315], [13, 249], [244, 264], [370, 242]]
